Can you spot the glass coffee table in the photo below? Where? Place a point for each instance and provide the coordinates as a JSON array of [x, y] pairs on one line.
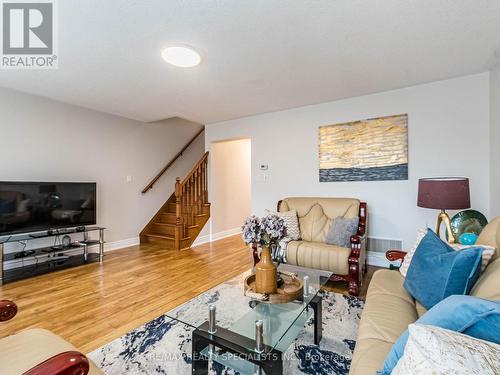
[[246, 334]]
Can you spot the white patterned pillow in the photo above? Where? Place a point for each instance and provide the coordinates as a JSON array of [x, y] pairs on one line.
[[434, 350], [407, 259], [291, 223], [488, 252]]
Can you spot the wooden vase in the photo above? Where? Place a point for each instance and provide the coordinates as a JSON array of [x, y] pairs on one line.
[[265, 273]]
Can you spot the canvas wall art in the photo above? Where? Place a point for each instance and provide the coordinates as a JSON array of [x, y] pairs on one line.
[[368, 150]]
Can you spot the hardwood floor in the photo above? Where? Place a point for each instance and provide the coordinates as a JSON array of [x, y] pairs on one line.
[[92, 305]]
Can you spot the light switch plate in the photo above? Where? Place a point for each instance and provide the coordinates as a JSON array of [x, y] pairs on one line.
[[262, 177]]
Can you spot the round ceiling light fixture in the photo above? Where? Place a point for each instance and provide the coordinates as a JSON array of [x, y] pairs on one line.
[[183, 57]]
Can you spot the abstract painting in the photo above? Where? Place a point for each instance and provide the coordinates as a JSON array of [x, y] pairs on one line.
[[368, 150]]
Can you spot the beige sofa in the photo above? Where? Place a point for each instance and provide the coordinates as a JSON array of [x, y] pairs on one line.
[[315, 218], [389, 309]]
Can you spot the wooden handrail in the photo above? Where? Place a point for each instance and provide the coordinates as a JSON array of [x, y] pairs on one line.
[[177, 156], [193, 170]]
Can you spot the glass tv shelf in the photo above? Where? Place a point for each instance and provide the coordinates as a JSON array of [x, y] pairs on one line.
[[27, 255]]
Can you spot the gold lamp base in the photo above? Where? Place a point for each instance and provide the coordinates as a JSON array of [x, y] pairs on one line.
[[444, 218]]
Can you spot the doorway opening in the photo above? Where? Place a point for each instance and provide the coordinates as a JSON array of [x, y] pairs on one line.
[[231, 185]]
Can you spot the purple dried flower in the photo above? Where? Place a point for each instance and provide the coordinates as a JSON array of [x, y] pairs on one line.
[[274, 229], [265, 232], [252, 230]]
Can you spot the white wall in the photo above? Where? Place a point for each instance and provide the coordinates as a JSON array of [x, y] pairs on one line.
[[495, 141], [230, 184], [448, 135], [44, 140]]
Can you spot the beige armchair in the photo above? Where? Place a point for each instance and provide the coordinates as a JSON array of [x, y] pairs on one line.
[[315, 218]]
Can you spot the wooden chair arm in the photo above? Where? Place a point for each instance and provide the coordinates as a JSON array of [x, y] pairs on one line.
[[67, 363], [8, 310], [355, 248], [363, 215], [357, 268], [393, 255], [356, 239], [360, 235]]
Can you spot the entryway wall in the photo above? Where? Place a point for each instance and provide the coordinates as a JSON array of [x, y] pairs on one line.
[[230, 185]]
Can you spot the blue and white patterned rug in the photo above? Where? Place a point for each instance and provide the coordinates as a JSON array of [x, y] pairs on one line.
[[163, 345]]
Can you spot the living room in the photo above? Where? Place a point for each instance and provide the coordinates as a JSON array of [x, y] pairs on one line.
[[241, 188]]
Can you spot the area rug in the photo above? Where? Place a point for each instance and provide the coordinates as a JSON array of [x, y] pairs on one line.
[[163, 345]]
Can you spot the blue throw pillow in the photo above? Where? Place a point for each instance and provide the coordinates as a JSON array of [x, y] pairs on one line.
[[437, 271], [472, 316]]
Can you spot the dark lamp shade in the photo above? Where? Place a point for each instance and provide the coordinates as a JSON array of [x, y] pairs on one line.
[[444, 193]]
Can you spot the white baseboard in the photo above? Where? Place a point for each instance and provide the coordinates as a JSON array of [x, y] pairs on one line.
[[201, 240], [116, 245], [376, 258], [226, 233], [216, 236]]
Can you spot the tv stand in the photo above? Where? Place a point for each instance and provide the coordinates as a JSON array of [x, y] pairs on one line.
[[38, 235], [57, 232], [30, 260]]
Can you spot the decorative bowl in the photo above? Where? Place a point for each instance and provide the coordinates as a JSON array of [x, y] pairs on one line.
[[468, 221]]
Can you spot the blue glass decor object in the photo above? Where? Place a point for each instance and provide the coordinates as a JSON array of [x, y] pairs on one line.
[[468, 238]]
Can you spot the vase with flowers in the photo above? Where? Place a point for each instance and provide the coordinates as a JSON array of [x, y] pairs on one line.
[[264, 232]]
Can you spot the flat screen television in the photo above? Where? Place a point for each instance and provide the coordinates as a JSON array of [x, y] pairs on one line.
[[27, 207]]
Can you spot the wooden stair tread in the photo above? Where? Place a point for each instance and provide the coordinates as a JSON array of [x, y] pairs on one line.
[[171, 214], [174, 225], [164, 236]]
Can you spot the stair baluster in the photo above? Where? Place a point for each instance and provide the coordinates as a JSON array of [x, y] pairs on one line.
[[178, 213], [206, 180]]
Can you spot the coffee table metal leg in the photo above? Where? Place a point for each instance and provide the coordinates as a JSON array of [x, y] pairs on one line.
[[270, 360], [317, 305], [199, 362], [273, 364]]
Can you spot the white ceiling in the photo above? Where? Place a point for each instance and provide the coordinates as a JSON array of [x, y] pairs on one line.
[[258, 56]]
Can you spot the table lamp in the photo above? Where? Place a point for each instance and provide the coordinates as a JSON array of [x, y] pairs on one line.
[[444, 193]]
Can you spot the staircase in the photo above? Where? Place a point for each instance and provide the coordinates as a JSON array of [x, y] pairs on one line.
[[180, 220]]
